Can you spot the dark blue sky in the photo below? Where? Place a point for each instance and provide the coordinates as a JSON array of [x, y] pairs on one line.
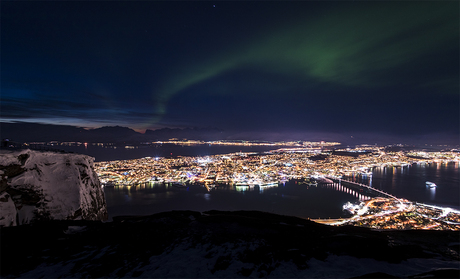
[[385, 67]]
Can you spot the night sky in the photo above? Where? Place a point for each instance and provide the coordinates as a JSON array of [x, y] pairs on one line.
[[386, 67]]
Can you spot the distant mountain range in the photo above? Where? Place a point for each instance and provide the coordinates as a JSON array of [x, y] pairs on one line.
[[30, 132], [21, 132], [188, 133]]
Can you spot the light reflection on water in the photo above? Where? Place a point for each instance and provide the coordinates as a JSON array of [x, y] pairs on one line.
[[290, 198], [409, 182], [432, 193]]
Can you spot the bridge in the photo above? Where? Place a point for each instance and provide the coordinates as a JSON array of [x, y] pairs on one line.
[[368, 188]]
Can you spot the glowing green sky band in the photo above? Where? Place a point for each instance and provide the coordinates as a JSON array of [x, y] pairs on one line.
[[341, 47]]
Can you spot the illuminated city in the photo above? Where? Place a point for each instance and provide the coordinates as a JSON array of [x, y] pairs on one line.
[[313, 165]]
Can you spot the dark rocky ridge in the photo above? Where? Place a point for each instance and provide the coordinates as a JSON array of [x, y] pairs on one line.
[[219, 244], [34, 132]]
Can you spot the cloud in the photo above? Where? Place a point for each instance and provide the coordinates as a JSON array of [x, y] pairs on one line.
[[51, 109]]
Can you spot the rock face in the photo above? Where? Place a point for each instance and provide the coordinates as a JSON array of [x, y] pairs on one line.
[[47, 185]]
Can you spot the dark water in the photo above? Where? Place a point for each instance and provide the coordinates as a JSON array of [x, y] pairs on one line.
[[291, 198], [164, 150], [409, 182]]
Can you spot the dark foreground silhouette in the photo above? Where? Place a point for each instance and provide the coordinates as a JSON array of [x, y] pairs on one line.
[[223, 244]]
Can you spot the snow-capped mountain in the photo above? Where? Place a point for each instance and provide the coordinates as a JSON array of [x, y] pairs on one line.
[[48, 185]]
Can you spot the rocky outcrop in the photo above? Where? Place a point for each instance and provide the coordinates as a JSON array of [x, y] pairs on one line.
[[48, 186]]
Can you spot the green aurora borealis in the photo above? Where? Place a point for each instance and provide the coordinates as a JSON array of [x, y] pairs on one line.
[[348, 66], [344, 47]]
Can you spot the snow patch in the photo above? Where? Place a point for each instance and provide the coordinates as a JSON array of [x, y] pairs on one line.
[[8, 211], [347, 267], [54, 185], [74, 229], [26, 214]]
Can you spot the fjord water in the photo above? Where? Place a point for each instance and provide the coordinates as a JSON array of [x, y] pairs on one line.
[[113, 153], [291, 198], [409, 182]]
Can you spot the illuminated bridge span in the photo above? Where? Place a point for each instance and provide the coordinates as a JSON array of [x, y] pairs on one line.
[[367, 187], [339, 187], [401, 207]]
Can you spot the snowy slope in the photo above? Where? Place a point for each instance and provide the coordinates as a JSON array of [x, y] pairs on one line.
[[48, 185], [217, 244]]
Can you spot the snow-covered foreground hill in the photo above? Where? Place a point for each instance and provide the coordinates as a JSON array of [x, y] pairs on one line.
[[182, 244], [38, 185]]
